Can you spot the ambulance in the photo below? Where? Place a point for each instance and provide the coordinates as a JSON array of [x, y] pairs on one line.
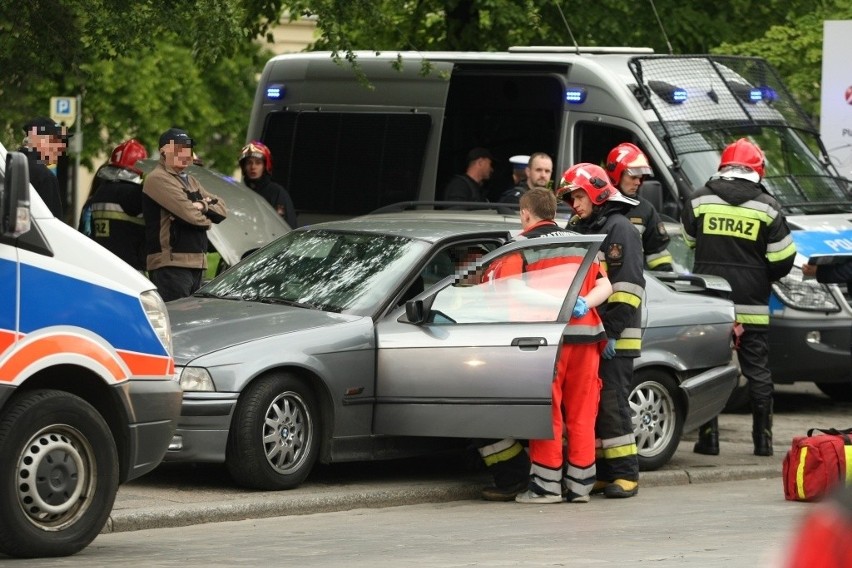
[[88, 396], [398, 126]]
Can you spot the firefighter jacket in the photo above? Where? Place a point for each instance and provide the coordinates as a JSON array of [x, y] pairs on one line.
[[740, 234], [175, 230], [623, 262], [655, 240], [585, 329], [116, 220]]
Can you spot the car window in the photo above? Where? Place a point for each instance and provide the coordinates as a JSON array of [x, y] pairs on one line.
[[683, 256], [525, 286], [333, 271]]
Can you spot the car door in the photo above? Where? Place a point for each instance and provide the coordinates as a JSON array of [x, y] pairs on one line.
[[474, 355]]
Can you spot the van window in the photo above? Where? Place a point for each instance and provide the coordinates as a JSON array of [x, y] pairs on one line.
[[342, 163]]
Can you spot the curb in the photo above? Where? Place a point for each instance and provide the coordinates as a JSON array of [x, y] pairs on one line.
[[284, 503]]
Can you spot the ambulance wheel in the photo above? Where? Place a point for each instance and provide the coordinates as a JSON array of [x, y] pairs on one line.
[[59, 474], [657, 415], [274, 438]]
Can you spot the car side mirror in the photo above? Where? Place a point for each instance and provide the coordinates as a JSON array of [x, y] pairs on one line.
[[15, 198], [415, 312]]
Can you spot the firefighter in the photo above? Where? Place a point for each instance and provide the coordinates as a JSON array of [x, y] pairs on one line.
[[740, 234], [112, 215], [627, 166], [600, 208]]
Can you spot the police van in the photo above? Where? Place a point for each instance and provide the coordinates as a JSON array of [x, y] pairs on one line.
[[398, 128], [88, 396]]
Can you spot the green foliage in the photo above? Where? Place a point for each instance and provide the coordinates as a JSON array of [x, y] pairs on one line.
[[794, 48]]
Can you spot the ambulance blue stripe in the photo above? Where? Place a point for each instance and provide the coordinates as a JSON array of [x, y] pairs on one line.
[[116, 317]]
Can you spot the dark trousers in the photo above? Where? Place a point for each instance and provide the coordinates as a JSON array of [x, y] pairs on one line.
[[174, 283], [616, 452], [753, 355]]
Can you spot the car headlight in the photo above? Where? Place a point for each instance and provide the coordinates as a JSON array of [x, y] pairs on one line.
[[157, 314], [195, 379], [808, 295]]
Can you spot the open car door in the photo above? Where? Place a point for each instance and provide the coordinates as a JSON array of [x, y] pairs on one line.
[[474, 355]]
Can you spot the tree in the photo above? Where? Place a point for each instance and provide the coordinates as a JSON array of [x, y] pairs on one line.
[[794, 48]]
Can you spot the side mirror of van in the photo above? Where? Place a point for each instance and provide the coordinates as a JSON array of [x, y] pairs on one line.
[[15, 199]]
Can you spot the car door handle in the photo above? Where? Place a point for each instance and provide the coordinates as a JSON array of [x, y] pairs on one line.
[[529, 343]]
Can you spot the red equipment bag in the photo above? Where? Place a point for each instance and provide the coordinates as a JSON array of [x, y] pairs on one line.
[[816, 464]]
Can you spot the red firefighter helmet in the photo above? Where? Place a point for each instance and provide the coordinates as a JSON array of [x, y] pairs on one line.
[[594, 181], [256, 149], [626, 157], [744, 153], [127, 154]]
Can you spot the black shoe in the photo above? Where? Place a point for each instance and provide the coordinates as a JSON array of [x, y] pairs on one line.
[[708, 439], [509, 493], [761, 431]]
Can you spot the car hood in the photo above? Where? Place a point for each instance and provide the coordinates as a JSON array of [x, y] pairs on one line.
[[204, 325]]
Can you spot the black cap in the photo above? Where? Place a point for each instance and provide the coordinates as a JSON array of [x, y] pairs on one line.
[[176, 135], [44, 125], [478, 153]]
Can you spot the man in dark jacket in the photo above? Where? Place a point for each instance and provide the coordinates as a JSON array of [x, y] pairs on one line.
[[112, 215], [45, 141], [468, 186], [178, 213], [627, 166], [601, 209], [256, 165], [740, 234]]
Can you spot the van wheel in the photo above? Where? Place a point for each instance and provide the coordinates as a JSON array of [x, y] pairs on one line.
[[59, 474], [657, 417], [841, 392], [274, 437]]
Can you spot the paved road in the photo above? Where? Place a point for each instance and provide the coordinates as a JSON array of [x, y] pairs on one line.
[[736, 524]]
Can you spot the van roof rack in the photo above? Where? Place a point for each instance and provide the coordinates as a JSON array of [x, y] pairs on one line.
[[578, 49]]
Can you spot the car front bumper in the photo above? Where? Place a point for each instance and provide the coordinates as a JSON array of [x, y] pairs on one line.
[[202, 431], [810, 350]]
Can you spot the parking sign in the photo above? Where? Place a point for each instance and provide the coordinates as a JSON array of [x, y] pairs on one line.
[[63, 110]]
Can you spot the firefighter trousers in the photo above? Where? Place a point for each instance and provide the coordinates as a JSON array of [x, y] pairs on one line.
[[753, 355], [617, 456], [574, 405]]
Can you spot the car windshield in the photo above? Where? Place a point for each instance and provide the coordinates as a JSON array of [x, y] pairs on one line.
[[340, 272], [794, 174]]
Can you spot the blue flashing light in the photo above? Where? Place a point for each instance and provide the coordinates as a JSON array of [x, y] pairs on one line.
[[575, 95], [768, 94], [755, 96], [275, 92], [678, 96]]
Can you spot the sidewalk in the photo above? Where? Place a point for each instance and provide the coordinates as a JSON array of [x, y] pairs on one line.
[[141, 505]]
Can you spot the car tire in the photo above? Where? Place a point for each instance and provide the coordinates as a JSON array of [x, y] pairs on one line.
[[657, 414], [59, 474], [274, 438], [840, 392]]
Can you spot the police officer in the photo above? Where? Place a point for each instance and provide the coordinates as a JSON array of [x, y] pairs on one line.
[[112, 215], [601, 209], [44, 142], [740, 234], [536, 172], [627, 166]]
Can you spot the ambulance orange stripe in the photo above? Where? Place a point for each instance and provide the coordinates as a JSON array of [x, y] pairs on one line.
[[141, 364], [57, 344], [7, 338]]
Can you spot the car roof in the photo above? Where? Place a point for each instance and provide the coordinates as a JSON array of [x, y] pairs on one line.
[[429, 226]]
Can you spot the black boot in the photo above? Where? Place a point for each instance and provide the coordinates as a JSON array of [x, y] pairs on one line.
[[761, 430], [708, 439]]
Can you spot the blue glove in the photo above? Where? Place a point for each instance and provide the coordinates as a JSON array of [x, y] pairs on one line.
[[609, 350], [581, 308]]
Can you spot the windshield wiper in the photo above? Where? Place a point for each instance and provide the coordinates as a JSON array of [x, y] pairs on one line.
[[286, 302]]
